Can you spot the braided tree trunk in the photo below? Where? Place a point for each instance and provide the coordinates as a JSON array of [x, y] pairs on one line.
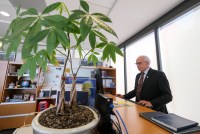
[[73, 94]]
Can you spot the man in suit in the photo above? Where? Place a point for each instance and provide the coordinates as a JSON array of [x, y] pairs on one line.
[[154, 90]]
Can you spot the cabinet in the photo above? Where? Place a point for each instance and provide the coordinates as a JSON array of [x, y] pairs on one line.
[[4, 65], [108, 79], [17, 96], [18, 89]]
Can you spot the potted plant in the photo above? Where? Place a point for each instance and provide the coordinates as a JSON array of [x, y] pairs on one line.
[[31, 27]]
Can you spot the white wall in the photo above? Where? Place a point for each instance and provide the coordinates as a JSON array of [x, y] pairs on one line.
[[144, 46]]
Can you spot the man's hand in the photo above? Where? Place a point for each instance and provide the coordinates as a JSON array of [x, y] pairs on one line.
[[120, 96], [146, 103]]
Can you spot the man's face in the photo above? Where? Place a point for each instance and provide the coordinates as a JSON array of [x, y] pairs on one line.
[[142, 64]]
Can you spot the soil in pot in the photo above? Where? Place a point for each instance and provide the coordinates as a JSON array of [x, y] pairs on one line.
[[73, 117]]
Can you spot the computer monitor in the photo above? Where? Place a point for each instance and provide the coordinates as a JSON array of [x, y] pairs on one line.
[[104, 105]]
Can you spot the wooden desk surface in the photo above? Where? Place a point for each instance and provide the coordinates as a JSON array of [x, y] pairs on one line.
[[134, 123]]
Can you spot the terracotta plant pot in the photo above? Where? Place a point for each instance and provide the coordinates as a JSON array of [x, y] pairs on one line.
[[86, 129]]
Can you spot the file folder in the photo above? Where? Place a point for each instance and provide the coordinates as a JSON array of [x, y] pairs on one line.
[[174, 122], [149, 115]]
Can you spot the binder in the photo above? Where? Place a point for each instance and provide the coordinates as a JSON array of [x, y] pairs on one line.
[[149, 115], [174, 122]]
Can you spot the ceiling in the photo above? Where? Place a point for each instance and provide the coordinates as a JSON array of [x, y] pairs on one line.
[[128, 16]]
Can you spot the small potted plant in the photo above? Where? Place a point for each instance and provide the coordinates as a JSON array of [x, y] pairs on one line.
[[31, 27]]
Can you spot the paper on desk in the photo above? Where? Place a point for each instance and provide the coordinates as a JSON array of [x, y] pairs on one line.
[[121, 103]]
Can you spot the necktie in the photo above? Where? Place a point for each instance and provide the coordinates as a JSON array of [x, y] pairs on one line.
[[139, 87]]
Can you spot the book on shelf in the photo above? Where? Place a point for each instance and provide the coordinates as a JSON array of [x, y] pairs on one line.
[[174, 122]]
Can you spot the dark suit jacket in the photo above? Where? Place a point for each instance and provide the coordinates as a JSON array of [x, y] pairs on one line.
[[155, 89]]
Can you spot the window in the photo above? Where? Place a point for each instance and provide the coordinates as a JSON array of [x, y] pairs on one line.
[[144, 46], [180, 47], [119, 65]]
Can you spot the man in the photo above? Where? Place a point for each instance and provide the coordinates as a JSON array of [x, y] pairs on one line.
[[151, 87]]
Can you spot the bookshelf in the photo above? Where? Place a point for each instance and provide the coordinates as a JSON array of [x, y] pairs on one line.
[[17, 96], [108, 77], [18, 88]]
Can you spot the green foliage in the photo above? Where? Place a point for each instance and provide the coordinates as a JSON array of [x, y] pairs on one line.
[[31, 27], [84, 5]]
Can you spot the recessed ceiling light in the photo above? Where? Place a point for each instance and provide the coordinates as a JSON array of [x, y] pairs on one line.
[[4, 13]]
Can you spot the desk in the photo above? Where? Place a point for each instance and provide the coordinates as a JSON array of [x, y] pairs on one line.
[[134, 123]]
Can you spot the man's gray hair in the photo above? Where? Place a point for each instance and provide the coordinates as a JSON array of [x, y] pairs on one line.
[[146, 58]]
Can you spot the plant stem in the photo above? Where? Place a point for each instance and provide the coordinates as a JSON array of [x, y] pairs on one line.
[[61, 106], [74, 93]]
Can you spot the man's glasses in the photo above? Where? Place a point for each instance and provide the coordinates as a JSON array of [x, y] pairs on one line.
[[139, 63]]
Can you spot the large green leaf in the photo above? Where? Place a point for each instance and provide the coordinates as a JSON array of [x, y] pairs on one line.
[[106, 52], [46, 23], [84, 5], [112, 53], [79, 40], [85, 26], [40, 36], [92, 39], [96, 53], [63, 39], [53, 60], [30, 65], [65, 7], [51, 7], [32, 68], [24, 23], [60, 9], [94, 59], [15, 22], [52, 42], [90, 58], [35, 48], [71, 28], [41, 59], [56, 18], [101, 17], [20, 26], [28, 43], [77, 14], [100, 35], [18, 10], [30, 11], [80, 49], [34, 29], [104, 26], [117, 49], [101, 45], [13, 46], [49, 23]]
